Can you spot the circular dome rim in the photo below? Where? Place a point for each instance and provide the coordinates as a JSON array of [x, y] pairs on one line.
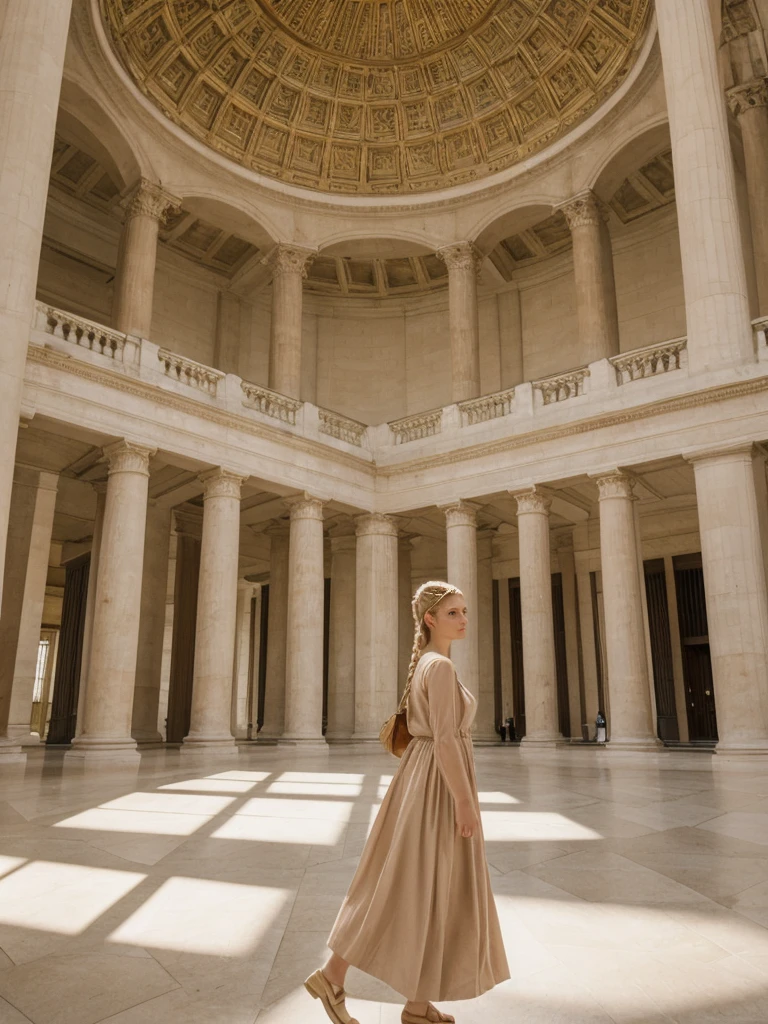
[[271, 188]]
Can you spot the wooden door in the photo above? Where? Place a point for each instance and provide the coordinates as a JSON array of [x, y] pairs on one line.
[[694, 635], [661, 650]]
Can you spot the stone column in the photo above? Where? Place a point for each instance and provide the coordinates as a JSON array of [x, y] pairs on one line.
[[154, 589], [463, 261], [289, 265], [567, 562], [210, 723], [245, 658], [32, 43], [484, 726], [542, 728], [146, 205], [277, 633], [100, 487], [405, 591], [749, 103], [304, 648], [105, 730], [714, 279], [631, 720], [461, 536], [341, 675], [26, 571], [598, 315], [737, 606], [376, 645]]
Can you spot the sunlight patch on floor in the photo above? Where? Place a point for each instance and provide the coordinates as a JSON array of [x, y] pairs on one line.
[[528, 826]]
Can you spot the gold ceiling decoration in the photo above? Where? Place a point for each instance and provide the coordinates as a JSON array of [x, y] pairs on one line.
[[377, 96]]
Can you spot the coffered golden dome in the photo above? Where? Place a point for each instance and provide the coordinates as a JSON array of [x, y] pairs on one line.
[[377, 96]]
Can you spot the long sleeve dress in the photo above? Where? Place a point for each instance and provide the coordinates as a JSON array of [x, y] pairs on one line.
[[419, 913]]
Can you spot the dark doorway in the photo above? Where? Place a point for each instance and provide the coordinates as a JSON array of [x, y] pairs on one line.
[[326, 650], [263, 634], [694, 636], [497, 696], [518, 677], [183, 643], [661, 650], [561, 657], [66, 682]]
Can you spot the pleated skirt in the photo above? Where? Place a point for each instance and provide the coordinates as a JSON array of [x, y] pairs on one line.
[[419, 913]]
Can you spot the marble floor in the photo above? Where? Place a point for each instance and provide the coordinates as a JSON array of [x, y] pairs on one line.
[[631, 888]]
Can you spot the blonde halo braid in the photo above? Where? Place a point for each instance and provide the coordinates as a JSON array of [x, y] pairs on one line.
[[426, 599]]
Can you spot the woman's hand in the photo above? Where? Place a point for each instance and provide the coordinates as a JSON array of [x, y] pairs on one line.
[[467, 821]]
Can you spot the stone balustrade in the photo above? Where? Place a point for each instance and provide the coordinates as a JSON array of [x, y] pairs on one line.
[[270, 403], [648, 362], [341, 427], [562, 386], [414, 428], [187, 371], [84, 333], [488, 407]]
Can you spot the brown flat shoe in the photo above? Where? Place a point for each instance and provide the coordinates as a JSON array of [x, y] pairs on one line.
[[434, 1016], [331, 996]]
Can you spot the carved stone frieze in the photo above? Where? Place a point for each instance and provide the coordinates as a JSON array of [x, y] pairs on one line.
[[397, 96]]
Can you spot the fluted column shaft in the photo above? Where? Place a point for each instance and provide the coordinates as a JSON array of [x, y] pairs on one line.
[[714, 278], [750, 104], [737, 605], [26, 571], [541, 721], [289, 268], [304, 649], [277, 631], [630, 712], [146, 206], [154, 589], [210, 722], [341, 676], [105, 729], [376, 641], [32, 44], [461, 537], [598, 315], [463, 262]]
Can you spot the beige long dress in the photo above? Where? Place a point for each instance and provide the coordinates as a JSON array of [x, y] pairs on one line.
[[419, 913]]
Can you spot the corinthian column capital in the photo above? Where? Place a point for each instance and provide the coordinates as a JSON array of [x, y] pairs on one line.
[[616, 484], [532, 500], [128, 457], [149, 200], [304, 506], [584, 210], [375, 524], [461, 513], [221, 483], [745, 97], [286, 258], [461, 256]]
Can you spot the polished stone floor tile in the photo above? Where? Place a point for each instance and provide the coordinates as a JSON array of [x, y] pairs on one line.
[[630, 890]]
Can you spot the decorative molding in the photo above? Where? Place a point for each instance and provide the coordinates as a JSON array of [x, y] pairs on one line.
[[221, 483], [487, 407], [375, 524], [187, 371], [616, 484], [414, 428], [584, 210], [649, 362], [562, 386], [462, 256], [270, 403], [532, 500], [746, 97], [286, 258], [341, 427], [128, 457], [147, 199]]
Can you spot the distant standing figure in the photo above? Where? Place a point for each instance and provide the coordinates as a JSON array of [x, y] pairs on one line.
[[419, 913]]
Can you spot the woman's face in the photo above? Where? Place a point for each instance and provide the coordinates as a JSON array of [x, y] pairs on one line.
[[449, 619]]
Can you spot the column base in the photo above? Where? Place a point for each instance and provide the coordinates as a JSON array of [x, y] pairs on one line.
[[94, 750], [11, 752], [532, 744], [312, 744], [23, 737], [208, 745], [149, 740], [649, 746], [741, 751]]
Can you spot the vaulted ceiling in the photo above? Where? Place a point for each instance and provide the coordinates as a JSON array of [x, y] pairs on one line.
[[377, 96]]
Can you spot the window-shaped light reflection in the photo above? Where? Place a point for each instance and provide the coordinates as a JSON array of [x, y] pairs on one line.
[[62, 898], [275, 807], [212, 918], [169, 814], [8, 864], [497, 798], [315, 788], [241, 776], [344, 777], [257, 829], [211, 786], [529, 826]]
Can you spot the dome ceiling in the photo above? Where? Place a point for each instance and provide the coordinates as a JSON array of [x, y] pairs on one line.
[[377, 96]]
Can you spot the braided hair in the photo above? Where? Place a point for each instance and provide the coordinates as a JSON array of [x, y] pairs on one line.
[[426, 599]]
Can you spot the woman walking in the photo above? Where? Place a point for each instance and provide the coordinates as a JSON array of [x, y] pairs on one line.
[[419, 913]]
